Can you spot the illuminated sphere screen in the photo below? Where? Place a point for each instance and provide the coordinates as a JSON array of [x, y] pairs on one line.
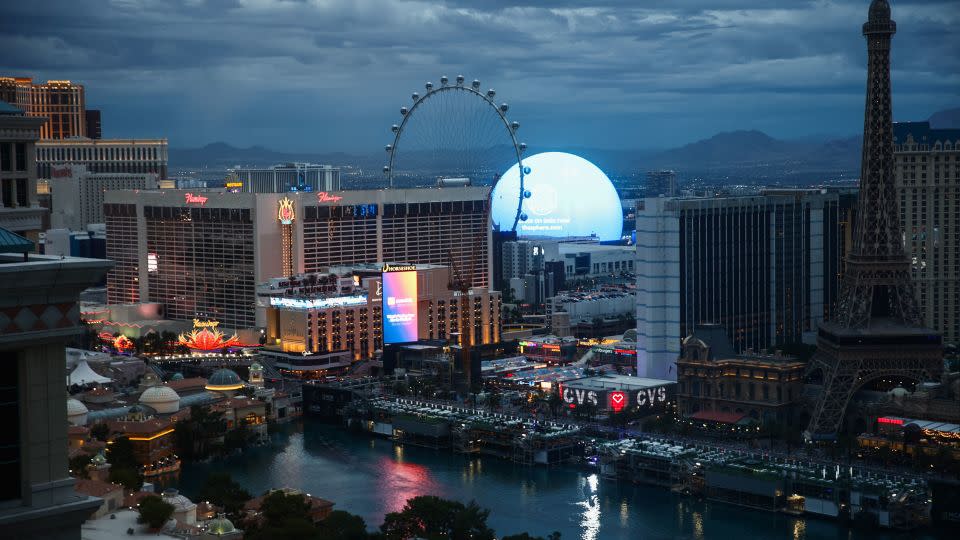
[[568, 196], [400, 307]]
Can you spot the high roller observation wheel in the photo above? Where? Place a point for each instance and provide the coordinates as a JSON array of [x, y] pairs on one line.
[[487, 97]]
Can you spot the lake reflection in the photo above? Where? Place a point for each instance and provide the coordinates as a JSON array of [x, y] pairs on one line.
[[371, 477]]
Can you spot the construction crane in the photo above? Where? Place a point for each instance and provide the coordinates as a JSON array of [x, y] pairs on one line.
[[461, 284]]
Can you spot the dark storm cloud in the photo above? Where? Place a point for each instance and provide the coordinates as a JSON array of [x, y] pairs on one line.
[[326, 74]]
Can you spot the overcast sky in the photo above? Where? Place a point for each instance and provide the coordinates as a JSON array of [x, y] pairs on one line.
[[327, 75]]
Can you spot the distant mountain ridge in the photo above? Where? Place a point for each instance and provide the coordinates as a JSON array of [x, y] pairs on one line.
[[220, 155], [750, 155]]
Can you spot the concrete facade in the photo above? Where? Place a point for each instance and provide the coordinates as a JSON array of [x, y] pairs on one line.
[[20, 210], [39, 313]]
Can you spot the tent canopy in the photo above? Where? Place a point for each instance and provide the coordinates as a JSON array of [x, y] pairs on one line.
[[84, 374]]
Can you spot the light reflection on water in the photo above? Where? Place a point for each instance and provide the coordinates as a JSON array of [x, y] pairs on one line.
[[371, 477], [590, 522]]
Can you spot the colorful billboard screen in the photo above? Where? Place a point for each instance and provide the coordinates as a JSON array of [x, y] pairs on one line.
[[400, 307]]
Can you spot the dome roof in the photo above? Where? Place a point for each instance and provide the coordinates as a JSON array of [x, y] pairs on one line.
[[224, 379], [176, 376], [256, 365], [159, 394], [162, 399], [75, 407], [99, 459], [220, 526], [179, 502]]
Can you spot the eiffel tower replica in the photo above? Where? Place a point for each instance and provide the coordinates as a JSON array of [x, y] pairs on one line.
[[877, 331]]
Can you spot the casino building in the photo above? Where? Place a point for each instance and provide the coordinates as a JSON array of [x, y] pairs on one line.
[[309, 318], [201, 254]]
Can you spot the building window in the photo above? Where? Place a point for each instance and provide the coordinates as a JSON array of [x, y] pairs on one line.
[[22, 193], [7, 194], [5, 157], [21, 151]]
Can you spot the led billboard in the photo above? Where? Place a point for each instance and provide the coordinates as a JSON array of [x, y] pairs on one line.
[[399, 305]]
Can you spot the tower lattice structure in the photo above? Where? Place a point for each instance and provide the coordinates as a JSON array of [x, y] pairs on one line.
[[876, 332]]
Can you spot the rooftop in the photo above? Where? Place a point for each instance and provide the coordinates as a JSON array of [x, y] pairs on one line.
[[922, 133], [11, 242], [7, 109], [617, 382]]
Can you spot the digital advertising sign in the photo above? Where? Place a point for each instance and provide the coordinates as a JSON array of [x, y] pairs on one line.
[[399, 305]]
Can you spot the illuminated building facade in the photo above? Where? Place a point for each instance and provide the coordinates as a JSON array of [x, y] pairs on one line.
[[287, 177], [713, 378], [130, 156], [20, 211], [152, 439], [201, 254], [766, 268], [927, 179], [342, 310], [61, 103]]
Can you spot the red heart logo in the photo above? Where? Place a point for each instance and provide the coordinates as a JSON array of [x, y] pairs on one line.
[[617, 398]]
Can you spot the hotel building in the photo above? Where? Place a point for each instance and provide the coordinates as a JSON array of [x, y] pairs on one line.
[[766, 268], [719, 385], [285, 178], [341, 309], [60, 103], [927, 179], [201, 254], [130, 156], [20, 210], [77, 194]]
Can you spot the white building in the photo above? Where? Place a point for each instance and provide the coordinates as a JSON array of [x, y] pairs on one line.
[[590, 260], [137, 156], [586, 306], [77, 194], [658, 289], [284, 178]]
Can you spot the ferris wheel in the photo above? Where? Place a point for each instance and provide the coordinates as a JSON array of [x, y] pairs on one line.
[[455, 133]]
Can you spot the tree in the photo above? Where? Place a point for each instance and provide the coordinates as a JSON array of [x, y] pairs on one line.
[[120, 454], [340, 525], [434, 518], [127, 477], [221, 490], [154, 512], [238, 438], [285, 517], [278, 507], [78, 465], [193, 435], [555, 535], [100, 431]]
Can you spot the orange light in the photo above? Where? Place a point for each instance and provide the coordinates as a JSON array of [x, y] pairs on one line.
[[152, 437]]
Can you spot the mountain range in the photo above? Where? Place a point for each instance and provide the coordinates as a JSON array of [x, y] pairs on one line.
[[749, 156]]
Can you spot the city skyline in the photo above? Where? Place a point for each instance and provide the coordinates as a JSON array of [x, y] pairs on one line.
[[607, 76]]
